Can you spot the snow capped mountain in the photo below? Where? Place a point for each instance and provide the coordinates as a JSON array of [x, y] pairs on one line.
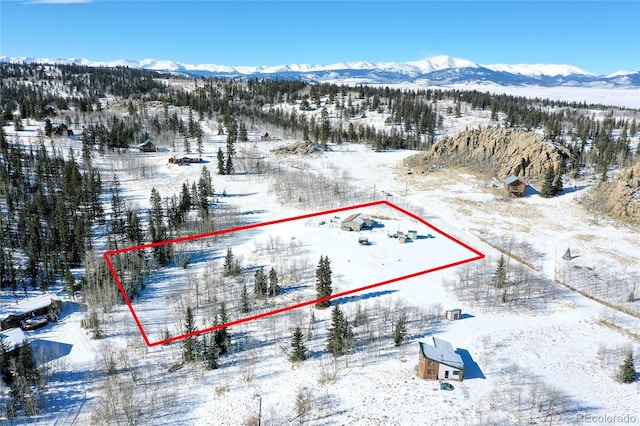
[[441, 62], [539, 69], [437, 70]]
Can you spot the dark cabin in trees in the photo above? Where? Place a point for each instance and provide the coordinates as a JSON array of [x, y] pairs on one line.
[[356, 222], [32, 313], [147, 146], [62, 130], [514, 186], [440, 361]]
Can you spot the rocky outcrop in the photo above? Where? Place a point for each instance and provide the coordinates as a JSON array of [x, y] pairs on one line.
[[503, 152], [622, 195], [298, 147]]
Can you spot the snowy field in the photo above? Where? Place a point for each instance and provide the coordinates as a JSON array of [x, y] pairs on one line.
[[383, 258], [545, 364]]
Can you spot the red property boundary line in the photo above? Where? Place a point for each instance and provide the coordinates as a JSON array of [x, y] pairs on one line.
[[107, 256]]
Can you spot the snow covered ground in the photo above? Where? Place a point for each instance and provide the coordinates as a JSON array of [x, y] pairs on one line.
[[523, 365]]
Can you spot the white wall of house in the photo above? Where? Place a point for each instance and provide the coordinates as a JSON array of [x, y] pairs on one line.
[[442, 373]]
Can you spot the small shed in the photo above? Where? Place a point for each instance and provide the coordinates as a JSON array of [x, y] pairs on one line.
[[265, 136], [514, 186], [453, 314], [412, 234], [356, 222], [147, 146], [402, 237]]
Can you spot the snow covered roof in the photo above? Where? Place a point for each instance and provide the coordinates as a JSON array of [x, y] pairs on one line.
[[12, 338], [358, 218], [30, 305], [442, 352], [511, 179]]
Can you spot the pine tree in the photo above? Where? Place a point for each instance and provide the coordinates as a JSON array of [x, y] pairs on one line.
[[211, 353], [228, 167], [557, 184], [547, 185], [189, 343], [299, 351], [627, 372], [274, 288], [323, 281], [117, 219], [231, 152], [242, 132], [260, 285], [244, 300], [26, 366], [222, 338], [400, 330], [221, 166], [134, 229], [499, 278], [205, 184], [205, 190], [334, 337], [340, 336], [158, 230], [229, 264]]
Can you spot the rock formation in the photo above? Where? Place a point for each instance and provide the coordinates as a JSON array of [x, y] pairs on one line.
[[622, 196], [503, 152]]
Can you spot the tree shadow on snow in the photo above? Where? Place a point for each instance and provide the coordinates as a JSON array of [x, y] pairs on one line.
[[357, 297], [571, 189], [47, 350], [227, 195]]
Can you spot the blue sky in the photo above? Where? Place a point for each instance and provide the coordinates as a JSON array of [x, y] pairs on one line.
[[600, 37]]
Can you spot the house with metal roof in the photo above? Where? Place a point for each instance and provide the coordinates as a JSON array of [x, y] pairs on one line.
[[356, 222], [31, 313], [514, 186], [440, 361]]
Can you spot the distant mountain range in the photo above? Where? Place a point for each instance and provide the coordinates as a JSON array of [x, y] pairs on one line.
[[435, 71]]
